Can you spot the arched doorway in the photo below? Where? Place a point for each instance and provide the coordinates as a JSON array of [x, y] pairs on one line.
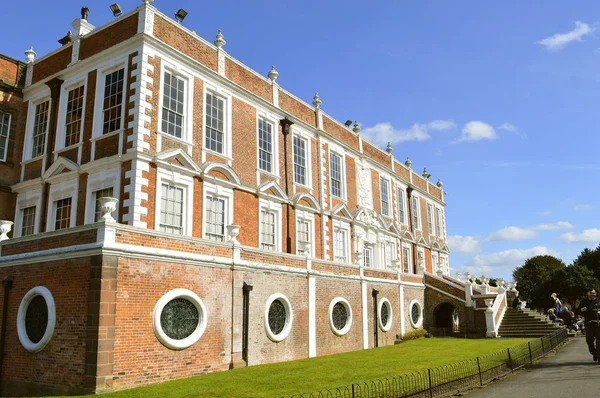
[[446, 320]]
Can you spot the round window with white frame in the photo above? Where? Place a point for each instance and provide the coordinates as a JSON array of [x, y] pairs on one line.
[[384, 311], [179, 319], [36, 319], [278, 317], [340, 316], [416, 314]]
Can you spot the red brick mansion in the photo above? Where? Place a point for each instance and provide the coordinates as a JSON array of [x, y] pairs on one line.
[[170, 212]]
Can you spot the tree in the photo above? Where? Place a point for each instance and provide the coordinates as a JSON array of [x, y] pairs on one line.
[[575, 282], [590, 259], [538, 278]]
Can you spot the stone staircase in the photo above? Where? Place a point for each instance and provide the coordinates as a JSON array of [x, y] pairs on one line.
[[525, 323]]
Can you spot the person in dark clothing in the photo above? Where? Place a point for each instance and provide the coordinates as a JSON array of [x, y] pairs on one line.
[[590, 308]]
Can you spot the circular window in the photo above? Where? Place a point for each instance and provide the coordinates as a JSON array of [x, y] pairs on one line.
[[340, 316], [179, 319], [385, 314], [278, 317], [36, 319], [416, 314]]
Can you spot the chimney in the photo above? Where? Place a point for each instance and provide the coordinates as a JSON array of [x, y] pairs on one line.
[[81, 25]]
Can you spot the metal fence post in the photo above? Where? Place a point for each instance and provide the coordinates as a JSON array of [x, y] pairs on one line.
[[530, 356], [430, 386], [479, 370], [510, 365], [352, 390]]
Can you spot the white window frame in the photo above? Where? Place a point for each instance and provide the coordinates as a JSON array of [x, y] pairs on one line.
[[24, 200], [384, 301], [172, 177], [62, 190], [61, 132], [271, 119], [338, 224], [103, 70], [288, 321], [221, 192], [227, 122], [110, 178], [384, 181], [188, 106], [416, 212], [392, 256], [407, 247], [273, 207], [346, 304], [22, 313], [28, 144], [4, 156], [441, 232], [302, 215], [430, 219], [434, 261], [342, 157], [302, 135], [401, 198], [370, 249], [420, 321]]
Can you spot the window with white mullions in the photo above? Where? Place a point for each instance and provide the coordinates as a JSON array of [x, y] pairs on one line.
[[401, 218], [40, 127], [265, 145], [267, 234], [171, 209], [415, 209], [173, 105], [340, 248], [406, 260], [389, 254], [303, 233], [430, 219], [336, 174], [215, 218], [27, 221], [113, 101], [385, 197], [74, 116], [63, 213], [215, 113], [438, 221], [368, 256], [299, 160], [102, 193], [4, 131]]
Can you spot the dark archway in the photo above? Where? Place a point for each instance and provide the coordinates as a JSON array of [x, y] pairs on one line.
[[445, 318]]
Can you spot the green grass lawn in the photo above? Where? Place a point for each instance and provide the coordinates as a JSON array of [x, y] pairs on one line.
[[324, 372]]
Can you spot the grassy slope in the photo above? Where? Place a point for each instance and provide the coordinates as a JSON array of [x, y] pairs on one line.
[[324, 372]]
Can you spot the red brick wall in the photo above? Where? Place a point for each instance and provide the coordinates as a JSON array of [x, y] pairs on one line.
[[139, 357], [100, 40], [296, 108], [390, 292], [198, 120], [245, 214], [51, 65], [327, 341], [248, 80], [351, 194], [8, 70], [49, 242], [88, 123], [62, 361], [244, 142], [106, 147], [376, 154], [340, 132], [376, 191]]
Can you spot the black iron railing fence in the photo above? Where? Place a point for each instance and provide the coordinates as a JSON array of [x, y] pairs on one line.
[[447, 379]]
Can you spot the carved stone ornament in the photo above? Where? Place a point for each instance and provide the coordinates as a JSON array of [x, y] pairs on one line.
[[107, 206], [233, 231], [363, 184], [5, 227]]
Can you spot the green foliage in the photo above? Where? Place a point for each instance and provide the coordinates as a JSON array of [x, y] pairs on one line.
[[538, 278], [590, 259], [415, 334], [577, 280]]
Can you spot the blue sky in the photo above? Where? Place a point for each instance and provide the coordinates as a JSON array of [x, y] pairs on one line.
[[499, 100]]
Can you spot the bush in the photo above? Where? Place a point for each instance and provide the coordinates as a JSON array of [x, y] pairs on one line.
[[415, 334]]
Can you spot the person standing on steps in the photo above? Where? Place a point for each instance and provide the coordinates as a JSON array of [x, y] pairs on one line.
[[590, 308], [557, 305]]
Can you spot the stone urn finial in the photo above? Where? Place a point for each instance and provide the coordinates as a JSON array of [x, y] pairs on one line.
[[273, 74], [358, 257], [426, 175], [317, 101], [408, 162], [306, 248], [356, 128], [457, 276], [233, 232], [439, 183], [488, 303], [220, 40], [107, 206], [389, 148], [5, 227], [30, 55]]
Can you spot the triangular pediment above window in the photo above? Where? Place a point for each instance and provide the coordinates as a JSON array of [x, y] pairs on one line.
[[435, 245], [212, 170], [407, 236], [62, 165], [395, 230], [272, 188], [178, 157], [341, 210], [421, 241], [306, 200], [445, 248]]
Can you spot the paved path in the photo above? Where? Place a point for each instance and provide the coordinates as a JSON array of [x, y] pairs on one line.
[[568, 373]]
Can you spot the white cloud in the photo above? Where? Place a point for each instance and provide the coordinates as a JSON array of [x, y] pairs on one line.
[[555, 226], [587, 236], [499, 263], [382, 133], [543, 213], [518, 233], [582, 207], [511, 128], [476, 131], [558, 41], [463, 244], [513, 233]]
